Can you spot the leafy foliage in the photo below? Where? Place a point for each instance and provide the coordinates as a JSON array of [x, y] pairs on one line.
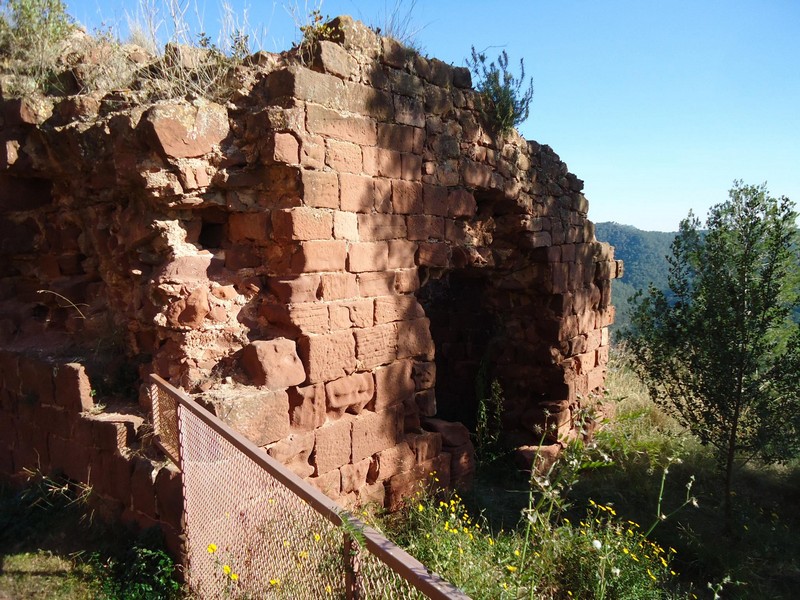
[[32, 33], [723, 353], [503, 99], [142, 572]]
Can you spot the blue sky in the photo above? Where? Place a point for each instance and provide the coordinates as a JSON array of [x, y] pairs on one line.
[[658, 105]]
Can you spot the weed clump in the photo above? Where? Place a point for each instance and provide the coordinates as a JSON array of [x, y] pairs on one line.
[[504, 100]]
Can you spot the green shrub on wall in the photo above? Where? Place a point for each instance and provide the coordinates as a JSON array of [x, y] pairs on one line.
[[503, 99]]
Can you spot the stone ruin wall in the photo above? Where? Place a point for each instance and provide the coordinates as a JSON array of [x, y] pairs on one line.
[[320, 260]]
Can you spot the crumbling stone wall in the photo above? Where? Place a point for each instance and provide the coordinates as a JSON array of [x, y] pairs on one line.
[[283, 256]]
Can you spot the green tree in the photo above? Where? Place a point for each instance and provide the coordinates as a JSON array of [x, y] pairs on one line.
[[719, 349]]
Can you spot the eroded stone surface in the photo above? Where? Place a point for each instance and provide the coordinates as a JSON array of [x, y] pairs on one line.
[[329, 259]]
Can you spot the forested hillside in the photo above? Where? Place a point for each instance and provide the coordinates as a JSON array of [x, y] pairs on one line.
[[644, 253]]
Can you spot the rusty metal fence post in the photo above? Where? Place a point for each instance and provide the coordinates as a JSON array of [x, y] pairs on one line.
[[253, 528]]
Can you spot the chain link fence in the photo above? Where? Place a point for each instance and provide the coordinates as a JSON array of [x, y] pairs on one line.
[[254, 529]]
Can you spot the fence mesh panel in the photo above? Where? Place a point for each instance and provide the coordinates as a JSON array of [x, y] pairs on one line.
[[250, 535], [165, 421], [273, 541]]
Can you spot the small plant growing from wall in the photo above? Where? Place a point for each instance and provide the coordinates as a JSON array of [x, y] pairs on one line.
[[504, 100]]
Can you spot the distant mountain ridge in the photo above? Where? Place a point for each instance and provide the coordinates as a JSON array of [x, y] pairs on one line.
[[644, 254]]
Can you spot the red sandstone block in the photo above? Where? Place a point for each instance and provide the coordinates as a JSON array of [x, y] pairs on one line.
[[357, 193], [312, 152], [397, 308], [143, 497], [372, 493], [402, 254], [345, 226], [456, 232], [402, 138], [117, 471], [356, 313], [393, 384], [73, 391], [594, 339], [294, 451], [55, 420], [433, 254], [349, 394], [307, 407], [351, 128], [169, 496], [9, 372], [333, 58], [8, 430], [329, 484], [383, 195], [376, 345], [406, 197], [453, 434], [382, 162], [111, 435], [409, 111], [308, 317], [273, 364], [411, 417], [602, 356], [333, 444], [242, 257], [36, 377], [302, 288], [411, 167], [595, 379], [376, 284], [406, 281], [301, 223], [66, 456], [381, 227], [434, 200], [392, 461], [338, 286], [373, 432], [476, 175], [260, 416], [368, 256], [461, 203], [425, 445], [425, 227], [354, 476], [604, 337], [344, 157], [320, 189], [320, 255], [424, 374], [285, 149], [426, 403], [328, 357]]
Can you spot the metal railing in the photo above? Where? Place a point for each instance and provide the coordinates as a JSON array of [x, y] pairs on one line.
[[255, 529]]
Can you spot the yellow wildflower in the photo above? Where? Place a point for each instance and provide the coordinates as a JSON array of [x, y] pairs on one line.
[[317, 537], [234, 577], [226, 569], [211, 548], [275, 581], [511, 568]]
